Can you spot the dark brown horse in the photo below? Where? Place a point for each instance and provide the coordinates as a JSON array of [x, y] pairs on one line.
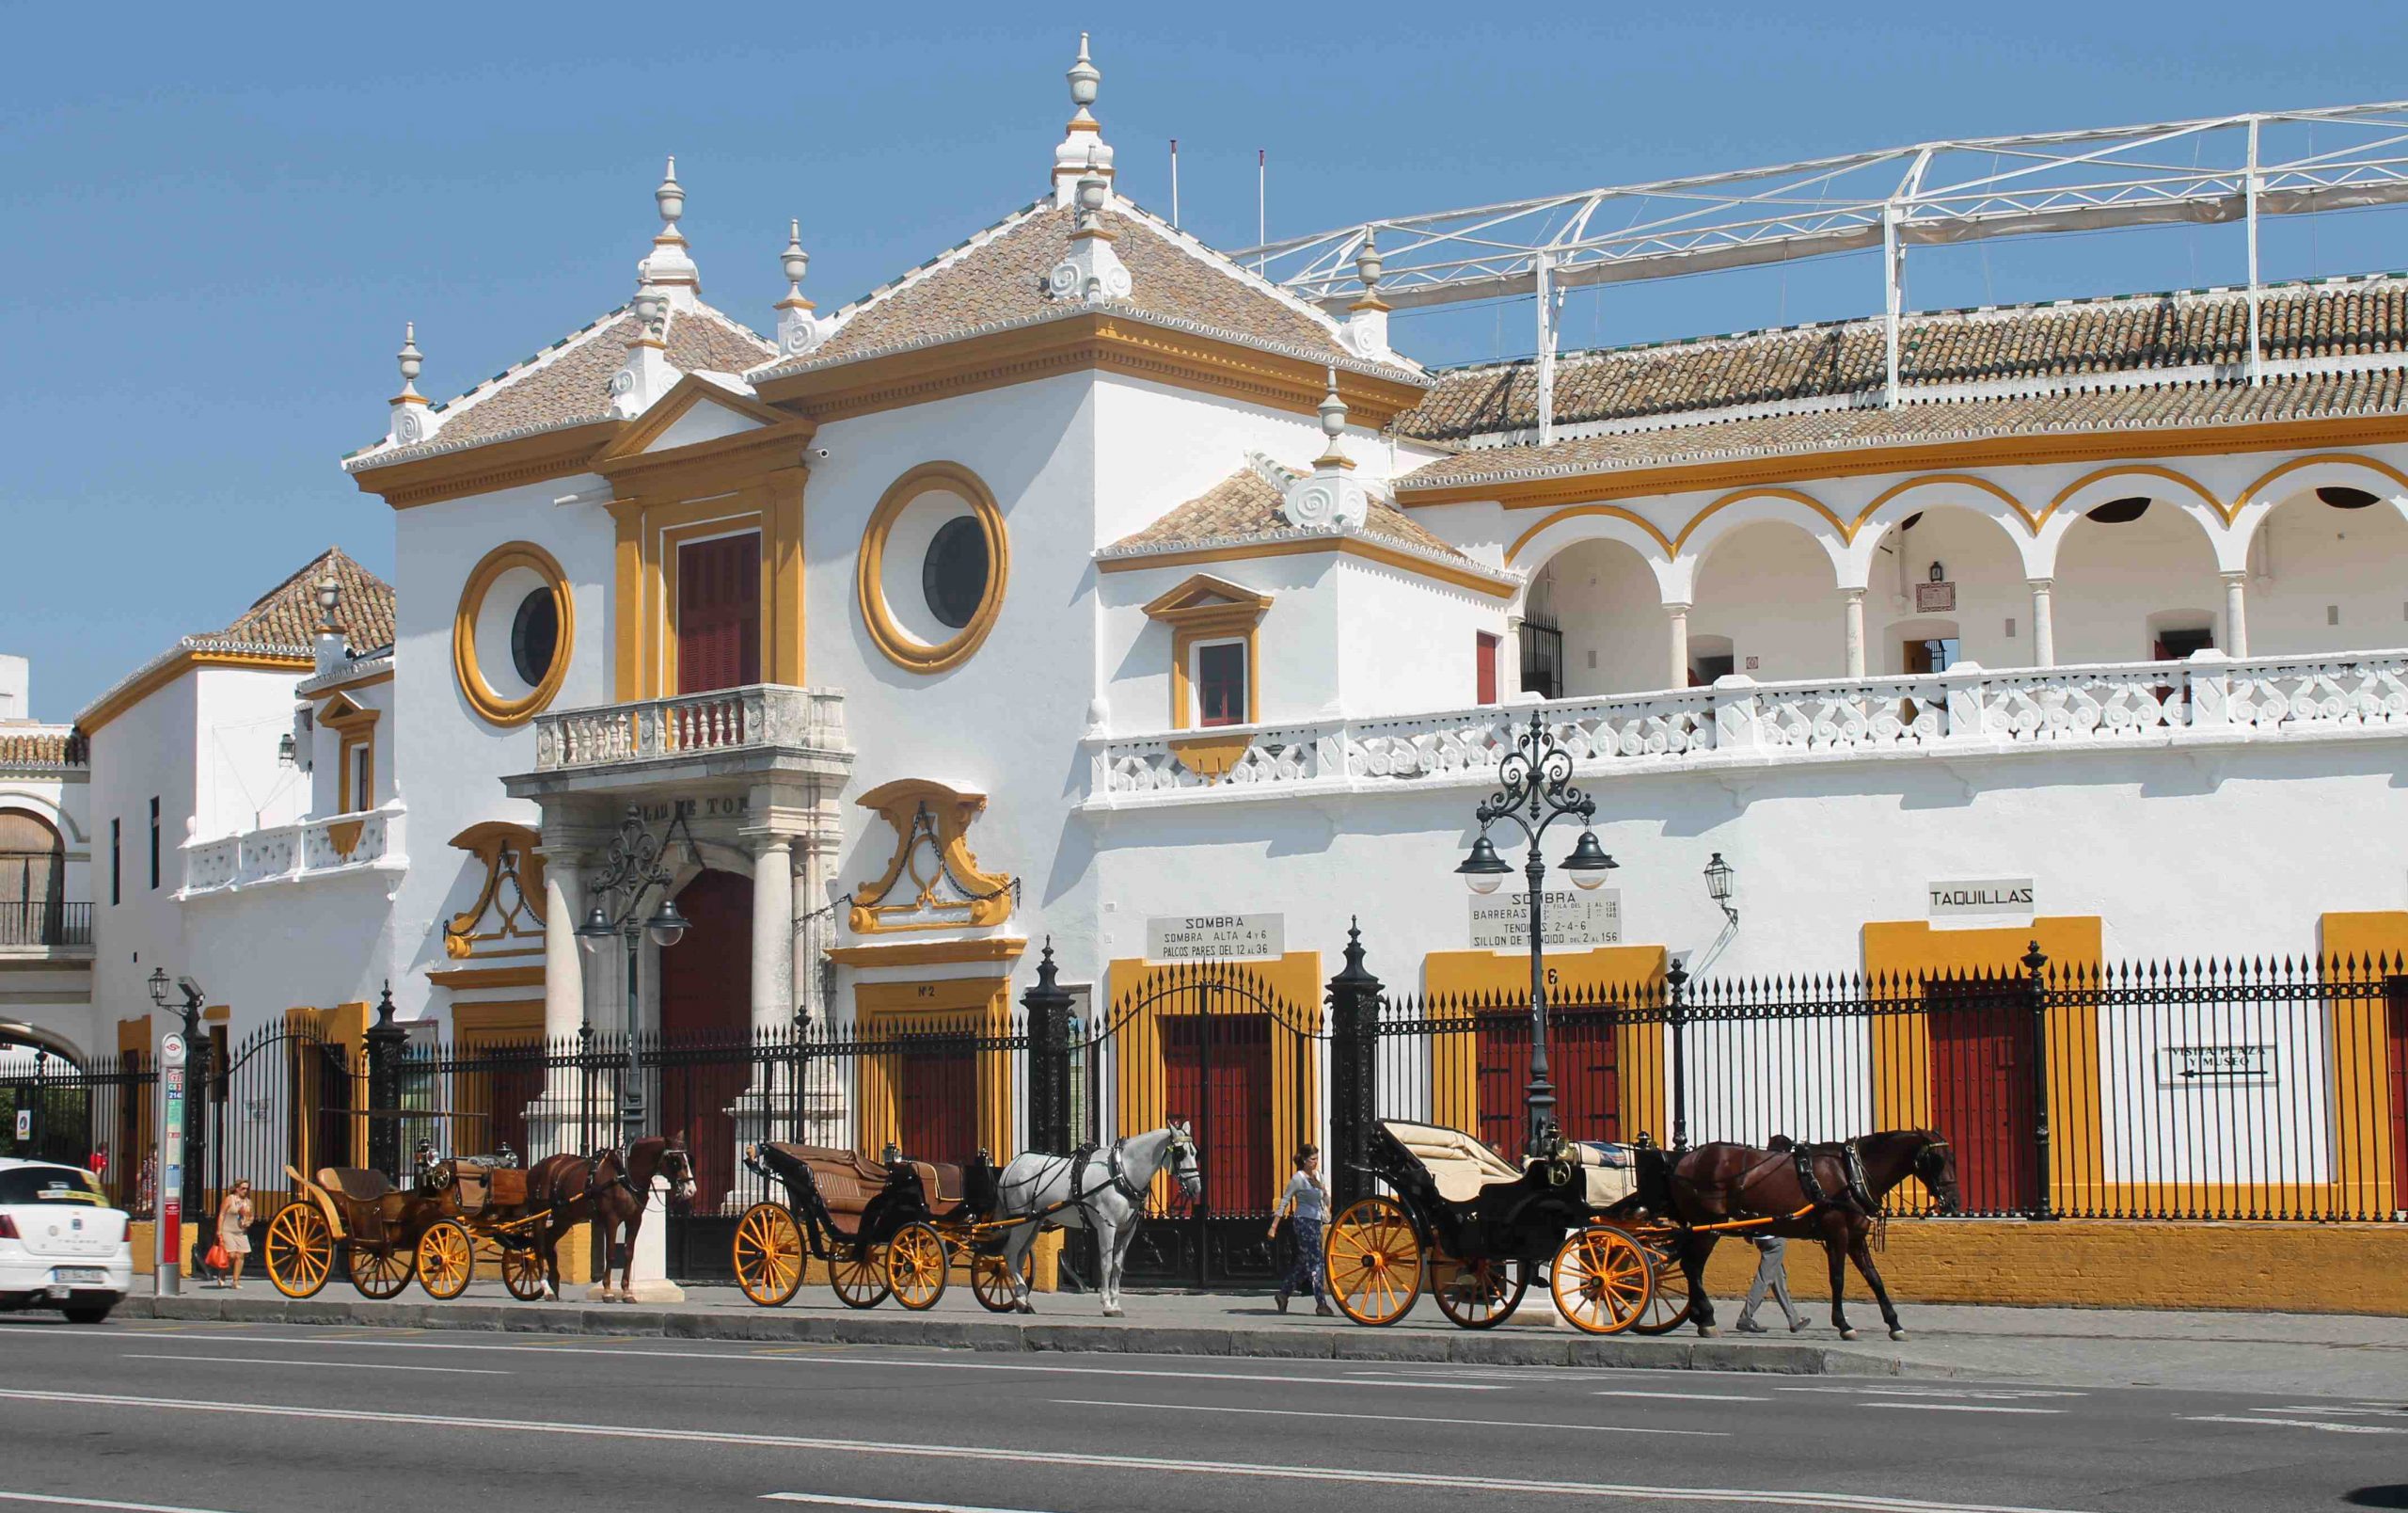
[[610, 1189], [1717, 1183]]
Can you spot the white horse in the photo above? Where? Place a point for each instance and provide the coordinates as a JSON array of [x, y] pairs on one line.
[[1106, 1192]]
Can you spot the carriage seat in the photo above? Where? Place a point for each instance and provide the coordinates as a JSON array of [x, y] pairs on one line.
[[942, 1182], [1459, 1163], [361, 1184], [481, 1185], [846, 1180], [1611, 1171]]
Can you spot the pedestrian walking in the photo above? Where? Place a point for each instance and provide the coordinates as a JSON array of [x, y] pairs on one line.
[[234, 1231], [1772, 1275], [1309, 1200], [146, 1195]]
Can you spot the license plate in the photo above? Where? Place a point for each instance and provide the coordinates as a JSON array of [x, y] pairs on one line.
[[85, 1275]]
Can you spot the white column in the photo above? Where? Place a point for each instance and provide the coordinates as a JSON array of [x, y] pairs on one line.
[[1855, 633], [564, 972], [810, 895], [2044, 625], [1678, 617], [2236, 616], [772, 934]]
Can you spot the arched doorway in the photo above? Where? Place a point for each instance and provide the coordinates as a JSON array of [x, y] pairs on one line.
[[1768, 590], [706, 1000], [1602, 600], [33, 879]]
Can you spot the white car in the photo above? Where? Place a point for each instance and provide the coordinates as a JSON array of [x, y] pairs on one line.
[[61, 1244]]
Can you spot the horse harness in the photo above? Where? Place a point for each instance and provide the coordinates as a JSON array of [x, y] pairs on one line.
[[1858, 1196], [617, 1157]]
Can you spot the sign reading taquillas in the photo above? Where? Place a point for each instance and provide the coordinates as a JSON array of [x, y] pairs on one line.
[[1986, 895]]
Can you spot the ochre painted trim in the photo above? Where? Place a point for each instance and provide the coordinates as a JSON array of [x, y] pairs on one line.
[[1102, 342], [2365, 1168], [489, 841], [355, 685], [2139, 470], [482, 470], [630, 449], [489, 705], [982, 1004], [460, 978], [930, 952], [901, 648], [953, 812], [2352, 458], [1337, 546], [182, 663], [477, 1024], [1981, 486], [1574, 512], [2003, 451], [357, 725], [1742, 496], [1206, 608]]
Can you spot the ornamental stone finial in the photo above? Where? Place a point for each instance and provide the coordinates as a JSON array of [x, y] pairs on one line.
[[1090, 271], [799, 330], [669, 266], [1367, 319], [1083, 149], [1328, 498], [411, 418]]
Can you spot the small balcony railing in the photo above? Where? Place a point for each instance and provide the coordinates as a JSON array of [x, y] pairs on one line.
[[756, 716], [342, 843], [44, 922]]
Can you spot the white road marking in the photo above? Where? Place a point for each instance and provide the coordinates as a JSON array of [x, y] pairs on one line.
[[1025, 1455], [338, 1366], [2327, 1424], [1963, 1408], [99, 1502], [1386, 1418], [819, 1500], [1693, 1397], [2330, 1408], [2004, 1393]]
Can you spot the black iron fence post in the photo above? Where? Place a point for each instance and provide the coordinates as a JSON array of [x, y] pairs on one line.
[[1049, 1060], [1676, 1018], [385, 1040], [2036, 996], [1354, 1093]]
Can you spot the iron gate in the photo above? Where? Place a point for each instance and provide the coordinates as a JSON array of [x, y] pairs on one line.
[[283, 1096], [1216, 1044]]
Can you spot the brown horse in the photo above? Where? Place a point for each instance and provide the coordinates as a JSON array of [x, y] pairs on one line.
[[610, 1188], [1717, 1183]]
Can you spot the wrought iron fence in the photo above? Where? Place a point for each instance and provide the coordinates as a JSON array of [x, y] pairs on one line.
[[99, 1116], [44, 922]]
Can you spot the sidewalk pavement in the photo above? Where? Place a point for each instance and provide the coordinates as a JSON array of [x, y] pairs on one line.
[[2281, 1354]]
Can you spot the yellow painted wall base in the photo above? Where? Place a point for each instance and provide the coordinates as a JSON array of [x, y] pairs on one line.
[[2286, 1269]]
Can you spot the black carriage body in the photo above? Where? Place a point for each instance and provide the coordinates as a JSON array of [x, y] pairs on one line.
[[903, 1200], [1524, 1220]]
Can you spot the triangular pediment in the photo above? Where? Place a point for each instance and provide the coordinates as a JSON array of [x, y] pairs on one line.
[[1203, 592], [699, 412]]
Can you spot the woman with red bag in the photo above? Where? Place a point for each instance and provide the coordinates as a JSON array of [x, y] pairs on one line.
[[233, 1236]]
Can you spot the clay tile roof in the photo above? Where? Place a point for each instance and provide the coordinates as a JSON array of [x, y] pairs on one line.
[[569, 382], [1245, 506], [285, 618], [2175, 337], [995, 279]]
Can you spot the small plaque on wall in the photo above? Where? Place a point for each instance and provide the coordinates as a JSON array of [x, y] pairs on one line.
[[1934, 598], [1216, 937]]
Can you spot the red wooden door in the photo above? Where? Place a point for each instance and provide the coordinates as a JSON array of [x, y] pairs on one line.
[[718, 614], [1216, 1075], [1484, 667], [1580, 1063], [2398, 1059], [1982, 1093], [706, 1000], [937, 1101]]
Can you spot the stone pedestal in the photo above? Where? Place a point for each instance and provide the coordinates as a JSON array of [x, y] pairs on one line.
[[649, 1276]]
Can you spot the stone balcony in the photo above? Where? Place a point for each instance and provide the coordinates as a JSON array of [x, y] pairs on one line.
[[1740, 722], [337, 845], [724, 738]]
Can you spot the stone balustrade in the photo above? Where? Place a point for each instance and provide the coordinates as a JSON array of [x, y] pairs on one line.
[[342, 843], [1738, 721], [756, 716]]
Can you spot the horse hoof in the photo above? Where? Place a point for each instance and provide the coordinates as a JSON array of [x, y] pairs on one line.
[[1847, 1334], [1897, 1334], [1025, 1307], [1707, 1332]]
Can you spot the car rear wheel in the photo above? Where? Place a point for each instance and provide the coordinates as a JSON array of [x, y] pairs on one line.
[[88, 1313]]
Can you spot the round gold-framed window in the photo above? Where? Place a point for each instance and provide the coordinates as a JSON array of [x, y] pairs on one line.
[[932, 568], [513, 635]]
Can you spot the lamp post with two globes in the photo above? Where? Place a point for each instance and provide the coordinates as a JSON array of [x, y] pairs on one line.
[[1535, 792], [633, 869]]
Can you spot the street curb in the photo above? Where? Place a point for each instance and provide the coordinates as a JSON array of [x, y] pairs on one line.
[[769, 1326]]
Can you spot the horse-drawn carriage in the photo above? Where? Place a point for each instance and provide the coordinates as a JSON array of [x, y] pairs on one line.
[[383, 1235], [882, 1229]]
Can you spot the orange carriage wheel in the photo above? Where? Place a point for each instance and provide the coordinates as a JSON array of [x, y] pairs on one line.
[[915, 1265], [858, 1276], [447, 1260], [381, 1273], [992, 1281], [769, 1254], [300, 1251], [522, 1270], [1373, 1261], [1479, 1295], [1668, 1305], [1602, 1279]]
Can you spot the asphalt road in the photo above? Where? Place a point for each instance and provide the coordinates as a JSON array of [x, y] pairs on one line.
[[262, 1419]]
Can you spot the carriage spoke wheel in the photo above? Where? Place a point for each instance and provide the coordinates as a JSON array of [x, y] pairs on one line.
[[381, 1273], [915, 1267], [992, 1281], [1483, 1293], [300, 1251], [769, 1254], [1667, 1308], [1373, 1261], [522, 1270], [1602, 1281], [447, 1260], [859, 1280]]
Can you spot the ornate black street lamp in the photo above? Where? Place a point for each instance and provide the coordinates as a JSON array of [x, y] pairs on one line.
[[633, 869], [1536, 791]]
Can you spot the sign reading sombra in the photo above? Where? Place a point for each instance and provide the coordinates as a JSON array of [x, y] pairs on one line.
[[1216, 937], [1982, 895], [1502, 921]]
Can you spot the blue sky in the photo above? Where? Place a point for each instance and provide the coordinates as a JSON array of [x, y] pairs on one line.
[[224, 215]]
